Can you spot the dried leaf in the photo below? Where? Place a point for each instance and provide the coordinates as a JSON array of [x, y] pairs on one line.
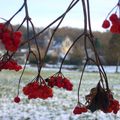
[[99, 100]]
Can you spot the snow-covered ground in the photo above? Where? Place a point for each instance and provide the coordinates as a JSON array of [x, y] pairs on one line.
[[57, 108], [89, 68], [35, 111], [108, 69]]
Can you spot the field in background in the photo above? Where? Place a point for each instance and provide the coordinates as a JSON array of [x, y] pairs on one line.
[[57, 108]]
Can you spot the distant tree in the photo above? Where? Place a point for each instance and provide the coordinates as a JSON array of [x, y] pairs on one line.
[[77, 54], [114, 50], [68, 31], [97, 43]]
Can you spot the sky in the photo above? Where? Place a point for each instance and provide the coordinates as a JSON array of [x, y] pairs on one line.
[[43, 12]]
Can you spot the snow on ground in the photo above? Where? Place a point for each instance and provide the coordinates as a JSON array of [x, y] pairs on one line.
[[52, 110], [108, 69], [57, 108], [89, 68]]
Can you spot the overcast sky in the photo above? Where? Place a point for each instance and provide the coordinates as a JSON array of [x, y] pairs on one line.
[[43, 12]]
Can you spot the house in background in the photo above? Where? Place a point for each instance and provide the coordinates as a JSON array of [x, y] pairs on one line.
[[66, 43], [59, 47]]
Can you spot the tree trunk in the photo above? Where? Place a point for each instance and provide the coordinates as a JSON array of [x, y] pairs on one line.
[[117, 65]]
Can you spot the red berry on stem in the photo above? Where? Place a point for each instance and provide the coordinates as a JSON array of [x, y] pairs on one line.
[[17, 99], [77, 110], [84, 109], [106, 24], [114, 28], [113, 18]]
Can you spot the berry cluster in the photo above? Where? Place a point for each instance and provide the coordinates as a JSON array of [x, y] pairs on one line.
[[10, 65], [113, 106], [113, 22], [40, 88], [10, 39], [60, 81], [98, 99], [101, 99], [79, 109], [36, 90]]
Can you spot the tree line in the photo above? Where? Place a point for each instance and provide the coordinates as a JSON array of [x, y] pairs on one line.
[[107, 44]]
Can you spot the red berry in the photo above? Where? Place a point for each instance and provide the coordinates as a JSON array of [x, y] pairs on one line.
[[84, 109], [18, 34], [106, 24], [80, 109], [113, 18], [2, 26], [17, 99], [114, 28], [77, 110], [115, 111]]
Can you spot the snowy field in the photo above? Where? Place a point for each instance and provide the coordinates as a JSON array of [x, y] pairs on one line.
[[59, 107]]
